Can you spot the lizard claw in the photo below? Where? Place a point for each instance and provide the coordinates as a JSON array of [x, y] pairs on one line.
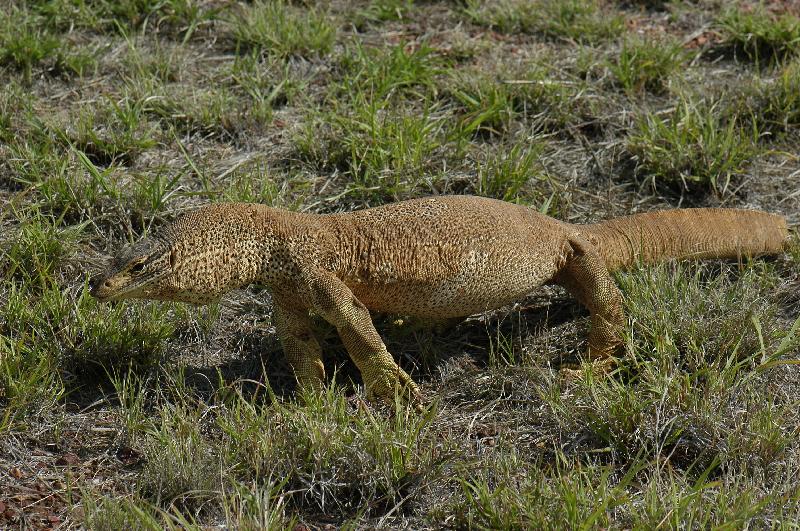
[[389, 385]]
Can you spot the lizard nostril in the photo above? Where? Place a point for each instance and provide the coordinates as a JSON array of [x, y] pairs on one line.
[[97, 281]]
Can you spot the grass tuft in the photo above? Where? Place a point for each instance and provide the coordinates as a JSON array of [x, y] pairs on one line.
[[383, 150], [331, 457], [702, 319], [491, 105], [775, 102], [114, 132], [65, 181], [210, 112], [268, 85], [760, 35], [581, 21], [109, 513], [23, 42], [89, 339], [646, 65], [507, 176], [133, 12], [38, 247], [278, 28], [510, 496], [385, 10], [384, 72], [181, 469], [692, 145]]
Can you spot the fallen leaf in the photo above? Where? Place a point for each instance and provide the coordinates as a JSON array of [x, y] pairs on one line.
[[16, 473]]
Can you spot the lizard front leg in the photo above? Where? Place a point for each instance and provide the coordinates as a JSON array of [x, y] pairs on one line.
[[302, 350], [586, 277], [334, 301]]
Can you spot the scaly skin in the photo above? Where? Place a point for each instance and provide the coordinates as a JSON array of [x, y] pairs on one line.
[[435, 258]]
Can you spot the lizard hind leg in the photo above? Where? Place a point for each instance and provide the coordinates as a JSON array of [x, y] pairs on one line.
[[585, 276], [300, 346]]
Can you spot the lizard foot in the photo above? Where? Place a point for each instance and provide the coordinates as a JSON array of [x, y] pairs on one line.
[[598, 367], [387, 383]]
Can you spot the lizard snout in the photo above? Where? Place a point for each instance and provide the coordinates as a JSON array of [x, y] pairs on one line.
[[97, 284]]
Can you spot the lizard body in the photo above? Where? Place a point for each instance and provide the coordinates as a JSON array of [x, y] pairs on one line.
[[437, 257]]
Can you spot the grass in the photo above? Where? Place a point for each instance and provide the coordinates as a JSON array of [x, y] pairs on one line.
[[48, 330], [492, 103], [385, 10], [774, 101], [38, 247], [267, 85], [207, 112], [384, 72], [111, 133], [760, 36], [381, 151], [69, 185], [176, 19], [280, 29], [646, 65], [692, 145], [23, 43], [115, 117], [582, 21], [506, 176], [689, 316]]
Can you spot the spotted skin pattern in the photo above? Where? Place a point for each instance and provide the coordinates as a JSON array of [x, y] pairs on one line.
[[437, 258]]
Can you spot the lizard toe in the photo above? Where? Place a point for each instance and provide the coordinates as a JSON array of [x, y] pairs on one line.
[[387, 385]]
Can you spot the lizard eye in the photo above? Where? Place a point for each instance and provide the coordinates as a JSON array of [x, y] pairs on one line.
[[136, 268]]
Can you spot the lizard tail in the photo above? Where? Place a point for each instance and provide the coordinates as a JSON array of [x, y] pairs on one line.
[[687, 233]]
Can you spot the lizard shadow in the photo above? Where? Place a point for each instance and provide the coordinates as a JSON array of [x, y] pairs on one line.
[[254, 362], [523, 333]]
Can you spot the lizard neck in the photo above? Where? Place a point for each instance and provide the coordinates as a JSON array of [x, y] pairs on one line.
[[226, 246], [282, 243]]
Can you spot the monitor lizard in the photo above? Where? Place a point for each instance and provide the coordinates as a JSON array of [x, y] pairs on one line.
[[433, 258]]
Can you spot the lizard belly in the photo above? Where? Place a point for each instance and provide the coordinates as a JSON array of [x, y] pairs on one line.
[[482, 283]]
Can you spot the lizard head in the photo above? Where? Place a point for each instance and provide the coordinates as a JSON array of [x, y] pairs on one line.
[[142, 271], [151, 269], [194, 259]]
